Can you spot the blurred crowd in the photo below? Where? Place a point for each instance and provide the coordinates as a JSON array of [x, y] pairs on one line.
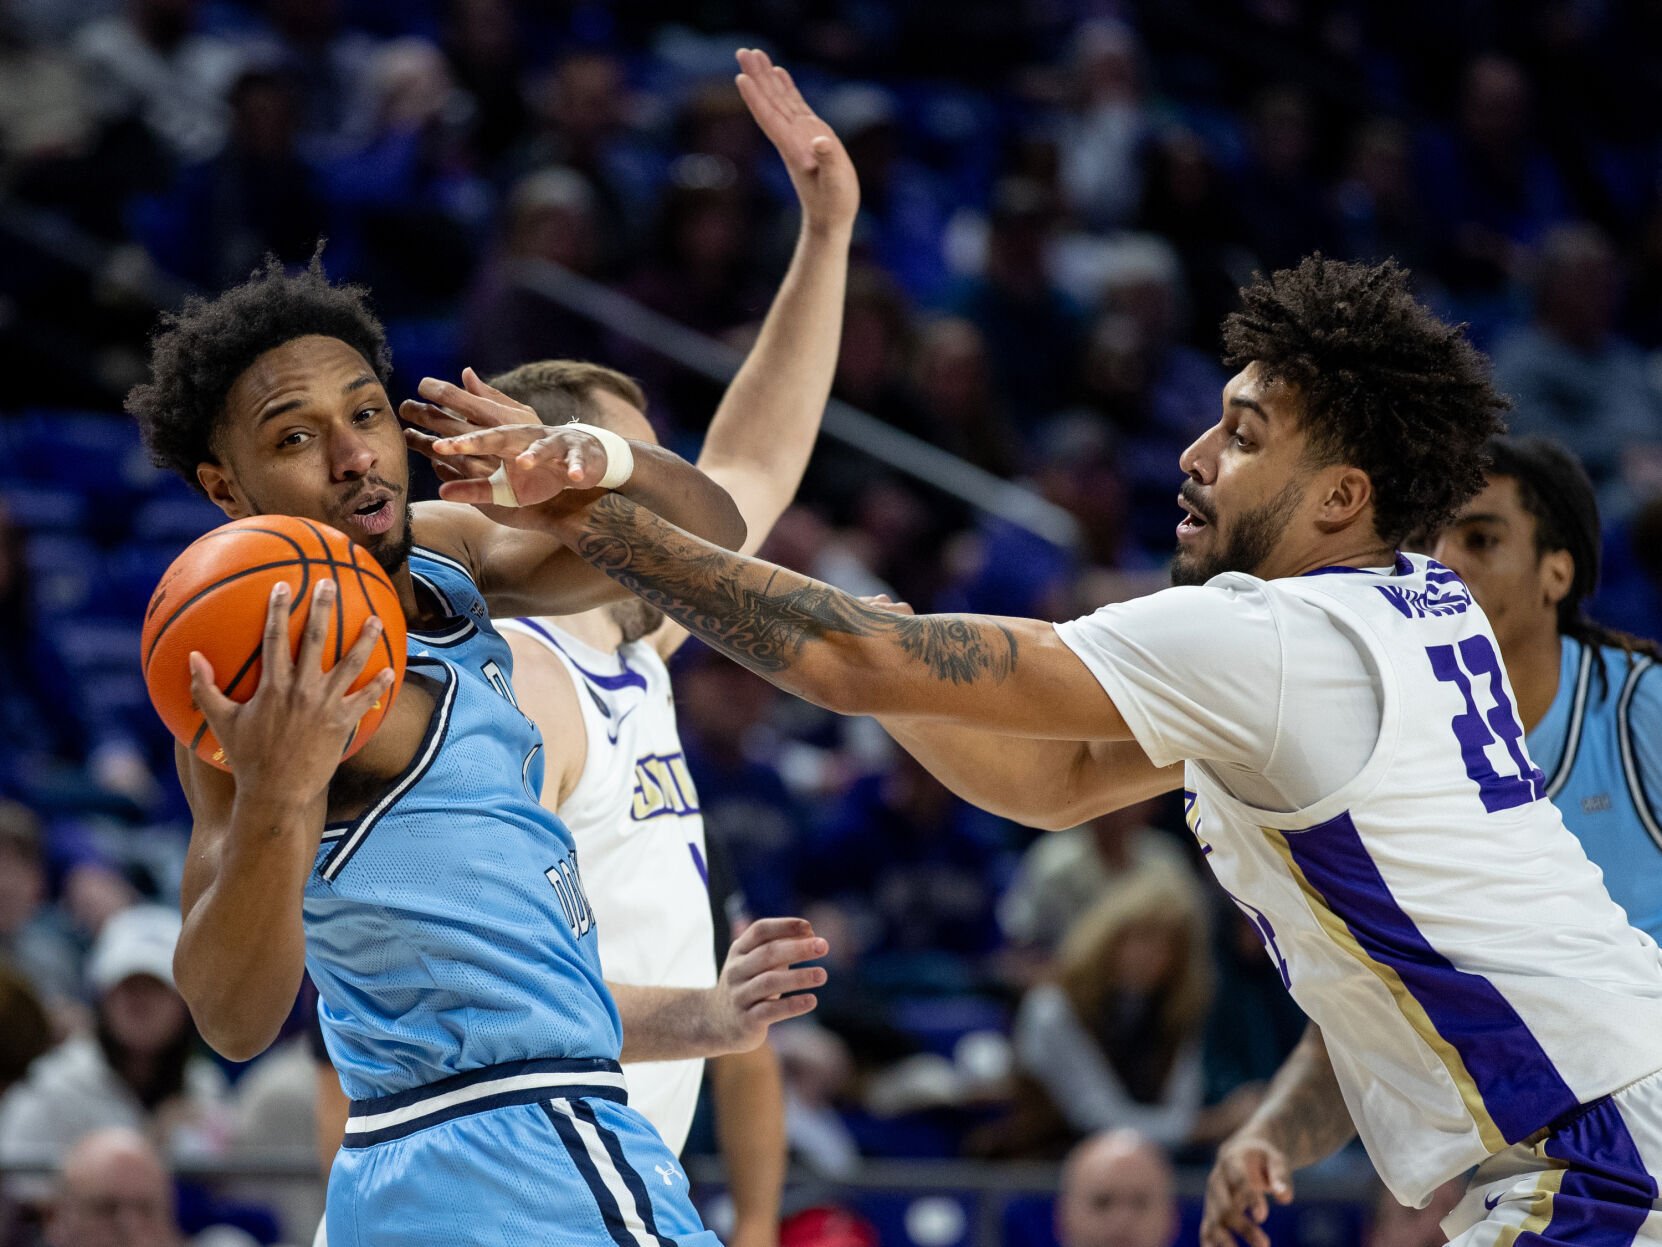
[[1060, 198]]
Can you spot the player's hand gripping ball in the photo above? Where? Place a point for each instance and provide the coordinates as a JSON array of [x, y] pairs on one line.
[[214, 600]]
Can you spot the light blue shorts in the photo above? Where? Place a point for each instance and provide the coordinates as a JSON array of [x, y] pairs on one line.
[[537, 1152]]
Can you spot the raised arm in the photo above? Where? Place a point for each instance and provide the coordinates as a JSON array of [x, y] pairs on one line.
[[242, 950], [1005, 675], [762, 434]]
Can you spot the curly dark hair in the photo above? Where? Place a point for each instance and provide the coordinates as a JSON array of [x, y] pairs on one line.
[[198, 352], [1382, 383]]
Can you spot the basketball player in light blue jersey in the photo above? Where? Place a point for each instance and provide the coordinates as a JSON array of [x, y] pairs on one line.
[[436, 904], [1338, 715], [1589, 697]]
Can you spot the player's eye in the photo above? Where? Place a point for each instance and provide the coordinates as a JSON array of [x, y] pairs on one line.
[[292, 439], [366, 414]]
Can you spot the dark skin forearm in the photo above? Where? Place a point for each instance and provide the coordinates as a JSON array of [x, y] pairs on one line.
[[1304, 1113]]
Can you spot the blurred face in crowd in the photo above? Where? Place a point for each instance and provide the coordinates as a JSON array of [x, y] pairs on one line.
[[143, 1014], [1248, 481], [308, 430], [22, 885], [1116, 1192], [1491, 544], [114, 1191]]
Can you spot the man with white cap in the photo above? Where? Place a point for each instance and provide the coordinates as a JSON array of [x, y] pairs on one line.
[[138, 1068]]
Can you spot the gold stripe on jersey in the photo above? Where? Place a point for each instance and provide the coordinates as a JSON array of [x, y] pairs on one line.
[[1540, 1209], [1340, 933]]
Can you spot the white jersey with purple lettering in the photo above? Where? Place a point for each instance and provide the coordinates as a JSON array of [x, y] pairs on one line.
[[1359, 782], [640, 838]]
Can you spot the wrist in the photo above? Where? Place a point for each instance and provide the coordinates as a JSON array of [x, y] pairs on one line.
[[269, 806], [821, 232]]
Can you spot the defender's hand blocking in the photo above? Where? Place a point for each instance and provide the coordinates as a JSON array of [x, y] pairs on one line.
[[820, 169], [1248, 1173], [761, 968]]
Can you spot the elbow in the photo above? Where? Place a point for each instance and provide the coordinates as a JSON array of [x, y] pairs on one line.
[[1050, 818], [224, 1018]]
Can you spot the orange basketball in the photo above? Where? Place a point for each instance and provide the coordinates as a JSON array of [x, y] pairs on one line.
[[214, 600]]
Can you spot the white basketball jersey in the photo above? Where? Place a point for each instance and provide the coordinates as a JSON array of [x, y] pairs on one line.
[[640, 840], [1427, 907]]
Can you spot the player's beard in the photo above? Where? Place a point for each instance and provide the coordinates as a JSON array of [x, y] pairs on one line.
[[1251, 539], [393, 550], [635, 618]]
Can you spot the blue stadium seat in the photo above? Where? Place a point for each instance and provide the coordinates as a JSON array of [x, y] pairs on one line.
[[43, 508], [175, 517]]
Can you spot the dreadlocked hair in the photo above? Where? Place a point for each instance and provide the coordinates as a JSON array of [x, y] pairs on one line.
[[199, 351], [1382, 383], [1553, 487]]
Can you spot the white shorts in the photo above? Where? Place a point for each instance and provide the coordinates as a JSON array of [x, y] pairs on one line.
[[1592, 1182]]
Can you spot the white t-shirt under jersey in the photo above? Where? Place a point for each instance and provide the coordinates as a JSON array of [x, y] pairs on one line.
[[635, 816], [1360, 785]]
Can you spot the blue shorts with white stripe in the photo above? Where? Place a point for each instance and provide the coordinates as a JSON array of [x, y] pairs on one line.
[[541, 1152]]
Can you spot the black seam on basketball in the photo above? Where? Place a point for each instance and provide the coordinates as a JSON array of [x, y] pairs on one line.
[[340, 607], [219, 532], [207, 589], [369, 604]]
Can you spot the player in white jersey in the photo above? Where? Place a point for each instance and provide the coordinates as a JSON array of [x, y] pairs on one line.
[[598, 687], [1339, 716]]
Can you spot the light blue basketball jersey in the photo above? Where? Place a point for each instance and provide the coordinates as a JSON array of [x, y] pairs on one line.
[[1600, 745], [446, 927]]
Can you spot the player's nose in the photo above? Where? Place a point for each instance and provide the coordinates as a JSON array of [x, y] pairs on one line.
[[1200, 456], [351, 455]]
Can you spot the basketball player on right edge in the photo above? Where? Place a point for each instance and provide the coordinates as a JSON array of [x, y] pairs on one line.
[[1354, 766]]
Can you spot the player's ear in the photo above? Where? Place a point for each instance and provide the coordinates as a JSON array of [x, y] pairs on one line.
[[1557, 574], [216, 482], [1347, 492]]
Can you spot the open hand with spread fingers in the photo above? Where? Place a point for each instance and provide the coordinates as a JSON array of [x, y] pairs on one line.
[[1248, 1173], [820, 169]]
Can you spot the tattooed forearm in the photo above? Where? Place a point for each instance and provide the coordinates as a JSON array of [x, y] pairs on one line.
[[1304, 1112], [764, 616]]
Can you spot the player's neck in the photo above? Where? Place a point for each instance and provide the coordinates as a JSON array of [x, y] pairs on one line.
[[596, 628], [1368, 553], [1532, 664]]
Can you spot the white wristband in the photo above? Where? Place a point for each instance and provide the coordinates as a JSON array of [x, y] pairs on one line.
[[620, 458]]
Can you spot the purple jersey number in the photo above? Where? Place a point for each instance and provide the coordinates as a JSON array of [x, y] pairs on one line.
[[1476, 731]]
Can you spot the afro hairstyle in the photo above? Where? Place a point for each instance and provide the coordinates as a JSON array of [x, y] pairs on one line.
[[198, 353], [1382, 384]]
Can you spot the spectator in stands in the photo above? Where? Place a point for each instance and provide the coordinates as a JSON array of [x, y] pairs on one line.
[[1254, 1023], [331, 65], [1115, 1038], [113, 1188], [1572, 377], [1101, 140], [408, 188], [1015, 303], [221, 217], [952, 380], [150, 62], [55, 755], [919, 869], [482, 44], [1378, 206], [1280, 201], [25, 1030], [1491, 190], [140, 1068], [34, 940], [550, 218], [1066, 874], [1118, 1190]]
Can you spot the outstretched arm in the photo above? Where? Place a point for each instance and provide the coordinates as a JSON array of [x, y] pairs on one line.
[[1005, 675]]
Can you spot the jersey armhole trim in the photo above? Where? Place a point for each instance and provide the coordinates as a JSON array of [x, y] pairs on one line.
[[356, 832], [1630, 760], [1578, 715]]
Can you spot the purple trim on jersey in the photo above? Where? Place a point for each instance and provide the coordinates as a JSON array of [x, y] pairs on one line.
[[698, 861], [1521, 1088], [611, 683], [1402, 567], [1607, 1192]]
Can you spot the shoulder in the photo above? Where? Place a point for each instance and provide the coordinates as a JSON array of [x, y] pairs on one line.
[[450, 530]]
